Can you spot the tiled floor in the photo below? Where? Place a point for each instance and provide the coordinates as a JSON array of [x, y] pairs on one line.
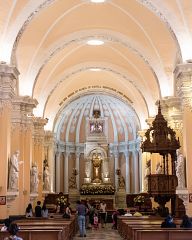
[[106, 233]]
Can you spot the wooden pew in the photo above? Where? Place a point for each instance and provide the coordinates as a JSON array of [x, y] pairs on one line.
[[37, 234], [125, 229], [69, 225], [125, 225], [163, 234]]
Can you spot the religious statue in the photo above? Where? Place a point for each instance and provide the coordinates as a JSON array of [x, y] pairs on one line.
[[147, 172], [46, 178], [14, 171], [34, 179], [96, 127], [121, 182], [96, 168], [72, 179], [159, 169], [180, 170]]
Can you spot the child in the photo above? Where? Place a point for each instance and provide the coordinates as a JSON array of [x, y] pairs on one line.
[[114, 217], [96, 221]]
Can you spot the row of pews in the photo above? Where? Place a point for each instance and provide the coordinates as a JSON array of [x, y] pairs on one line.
[[148, 228], [55, 228]]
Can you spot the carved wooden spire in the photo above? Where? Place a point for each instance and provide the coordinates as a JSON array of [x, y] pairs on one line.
[[160, 138]]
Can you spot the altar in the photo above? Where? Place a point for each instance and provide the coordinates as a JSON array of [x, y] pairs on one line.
[[97, 184]]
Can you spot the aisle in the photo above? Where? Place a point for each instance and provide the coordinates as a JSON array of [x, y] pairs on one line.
[[106, 233]]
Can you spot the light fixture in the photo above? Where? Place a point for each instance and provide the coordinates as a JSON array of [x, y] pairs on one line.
[[95, 69], [98, 1], [95, 42]]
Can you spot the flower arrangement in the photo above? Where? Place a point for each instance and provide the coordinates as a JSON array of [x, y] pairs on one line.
[[140, 199], [97, 190], [62, 200]]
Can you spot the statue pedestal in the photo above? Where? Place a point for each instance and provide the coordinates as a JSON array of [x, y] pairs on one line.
[[33, 196], [183, 194], [74, 196], [120, 199]]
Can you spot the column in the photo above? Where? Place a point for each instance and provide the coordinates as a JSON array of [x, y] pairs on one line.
[[127, 177], [183, 79], [38, 150], [8, 79], [66, 171], [58, 171], [116, 156], [21, 139], [49, 145], [142, 163], [77, 155], [140, 170], [136, 172]]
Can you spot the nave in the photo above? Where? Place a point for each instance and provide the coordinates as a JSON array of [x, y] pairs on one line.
[[106, 233]]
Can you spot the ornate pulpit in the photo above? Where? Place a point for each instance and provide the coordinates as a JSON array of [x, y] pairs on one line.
[[162, 139]]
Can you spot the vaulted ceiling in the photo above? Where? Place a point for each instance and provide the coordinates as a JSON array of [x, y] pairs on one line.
[[143, 40]]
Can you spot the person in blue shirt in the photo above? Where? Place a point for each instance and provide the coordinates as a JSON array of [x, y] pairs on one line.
[[186, 222], [168, 222]]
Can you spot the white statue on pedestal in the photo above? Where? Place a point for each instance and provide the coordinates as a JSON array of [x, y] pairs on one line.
[[180, 171], [46, 178], [147, 172], [14, 171], [34, 179], [159, 169]]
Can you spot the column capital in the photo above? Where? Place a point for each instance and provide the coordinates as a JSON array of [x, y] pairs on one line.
[[126, 153], [49, 138], [8, 70], [149, 121], [22, 109], [172, 111], [183, 79], [8, 84], [39, 132], [77, 154]]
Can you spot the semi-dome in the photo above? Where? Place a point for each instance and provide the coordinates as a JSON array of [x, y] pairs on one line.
[[121, 120]]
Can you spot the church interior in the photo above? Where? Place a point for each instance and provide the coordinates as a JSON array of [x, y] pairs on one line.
[[96, 102]]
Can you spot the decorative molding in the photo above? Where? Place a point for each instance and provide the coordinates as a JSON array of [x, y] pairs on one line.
[[156, 11], [25, 24], [11, 196]]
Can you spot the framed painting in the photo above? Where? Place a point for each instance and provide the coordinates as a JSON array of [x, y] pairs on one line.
[[2, 200], [190, 197]]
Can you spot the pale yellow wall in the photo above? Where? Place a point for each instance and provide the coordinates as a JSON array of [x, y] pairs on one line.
[[5, 129]]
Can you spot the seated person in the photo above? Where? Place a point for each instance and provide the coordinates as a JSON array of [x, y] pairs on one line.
[[13, 229], [137, 214], [186, 222], [168, 222], [29, 211], [67, 213], [6, 224], [44, 211], [128, 214]]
